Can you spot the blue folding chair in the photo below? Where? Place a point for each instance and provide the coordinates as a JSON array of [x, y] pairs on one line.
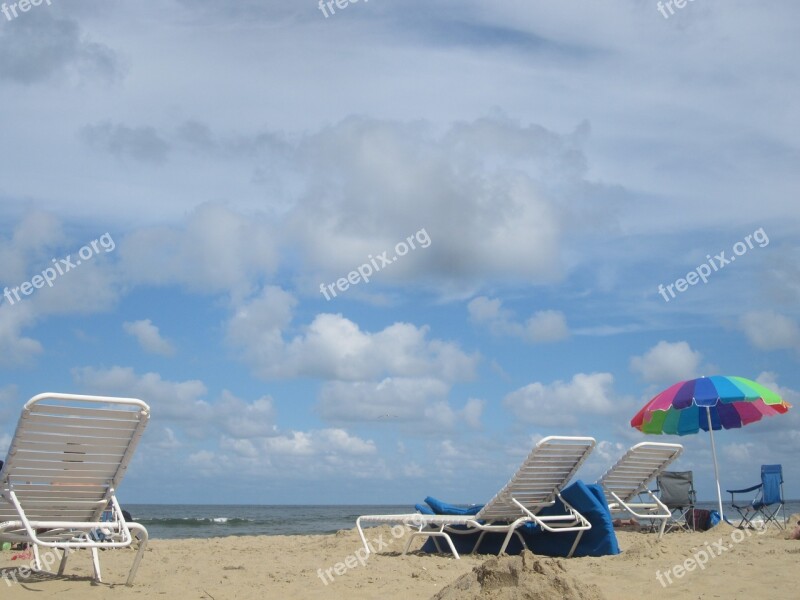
[[768, 500]]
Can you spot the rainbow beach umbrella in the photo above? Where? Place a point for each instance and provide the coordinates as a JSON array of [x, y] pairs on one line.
[[708, 403]]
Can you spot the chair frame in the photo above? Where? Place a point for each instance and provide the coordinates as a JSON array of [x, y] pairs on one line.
[[536, 485], [43, 478], [750, 510], [626, 483], [679, 512]]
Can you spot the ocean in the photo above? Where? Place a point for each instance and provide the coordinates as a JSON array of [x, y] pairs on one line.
[[181, 521]]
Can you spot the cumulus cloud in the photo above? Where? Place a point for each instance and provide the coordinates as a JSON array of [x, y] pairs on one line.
[[38, 241], [185, 404], [769, 379], [420, 401], [216, 250], [149, 337], [15, 348], [171, 400], [496, 171], [333, 347], [667, 362], [547, 326], [561, 403], [543, 326], [769, 330], [295, 454], [217, 436]]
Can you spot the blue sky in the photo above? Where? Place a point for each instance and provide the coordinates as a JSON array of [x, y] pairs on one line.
[[213, 165]]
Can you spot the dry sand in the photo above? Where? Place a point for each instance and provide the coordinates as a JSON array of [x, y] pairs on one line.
[[758, 566]]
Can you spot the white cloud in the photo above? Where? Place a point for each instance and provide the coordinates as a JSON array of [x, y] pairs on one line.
[[739, 453], [325, 442], [770, 380], [561, 403], [393, 399], [667, 362], [216, 250], [333, 347], [167, 441], [472, 412], [185, 403], [543, 326], [34, 243], [181, 401], [769, 330], [494, 169], [229, 434], [33, 240], [322, 454], [149, 337], [547, 326], [15, 348], [422, 402]]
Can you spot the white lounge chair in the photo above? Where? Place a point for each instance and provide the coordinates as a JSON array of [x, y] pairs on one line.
[[537, 484], [626, 483], [66, 460]]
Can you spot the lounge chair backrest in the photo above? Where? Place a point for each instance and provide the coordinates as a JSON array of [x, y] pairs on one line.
[[772, 479], [546, 470], [676, 488], [637, 468], [68, 455]]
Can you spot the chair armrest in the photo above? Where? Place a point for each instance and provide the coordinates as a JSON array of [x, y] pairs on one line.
[[744, 491]]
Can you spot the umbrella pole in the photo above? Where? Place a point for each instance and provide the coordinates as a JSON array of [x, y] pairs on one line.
[[716, 469]]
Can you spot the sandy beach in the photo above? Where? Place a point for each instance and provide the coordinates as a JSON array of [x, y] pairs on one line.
[[736, 564]]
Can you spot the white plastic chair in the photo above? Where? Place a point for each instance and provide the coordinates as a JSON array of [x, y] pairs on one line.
[[535, 485], [626, 483], [65, 463]]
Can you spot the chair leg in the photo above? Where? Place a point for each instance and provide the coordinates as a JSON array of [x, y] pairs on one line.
[[96, 565], [478, 543], [141, 535], [575, 544], [662, 528], [434, 534], [63, 564], [37, 562], [506, 541]]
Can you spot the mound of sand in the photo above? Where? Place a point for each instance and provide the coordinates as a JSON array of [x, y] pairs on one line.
[[523, 577]]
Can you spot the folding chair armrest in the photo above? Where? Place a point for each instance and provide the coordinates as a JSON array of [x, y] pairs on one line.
[[744, 491]]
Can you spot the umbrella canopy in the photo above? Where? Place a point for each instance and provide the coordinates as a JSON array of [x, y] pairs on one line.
[[708, 403], [732, 403]]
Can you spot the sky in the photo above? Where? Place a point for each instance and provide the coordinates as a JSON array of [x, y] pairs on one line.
[[368, 254]]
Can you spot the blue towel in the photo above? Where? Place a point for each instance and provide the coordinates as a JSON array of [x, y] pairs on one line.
[[421, 508], [589, 500], [443, 508]]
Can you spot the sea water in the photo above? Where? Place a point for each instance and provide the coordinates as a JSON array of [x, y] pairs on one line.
[[209, 520]]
